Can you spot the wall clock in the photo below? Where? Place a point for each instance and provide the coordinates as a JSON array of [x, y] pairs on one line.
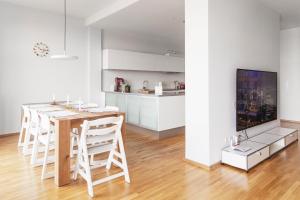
[[41, 49]]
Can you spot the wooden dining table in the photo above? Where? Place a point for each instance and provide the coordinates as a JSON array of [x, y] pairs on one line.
[[63, 128]]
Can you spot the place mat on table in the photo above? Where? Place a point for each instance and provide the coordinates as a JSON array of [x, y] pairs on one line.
[[86, 106], [63, 113], [38, 105], [49, 109], [98, 110]]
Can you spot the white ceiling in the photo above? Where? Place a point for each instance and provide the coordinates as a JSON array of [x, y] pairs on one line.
[[75, 8], [289, 11], [158, 19]]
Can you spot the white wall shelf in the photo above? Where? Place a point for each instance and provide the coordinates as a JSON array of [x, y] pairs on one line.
[[137, 61], [262, 147]]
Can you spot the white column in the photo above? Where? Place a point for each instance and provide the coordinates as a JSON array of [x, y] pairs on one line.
[[197, 82], [94, 66]]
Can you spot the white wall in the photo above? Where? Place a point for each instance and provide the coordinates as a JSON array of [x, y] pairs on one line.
[[131, 41], [94, 66], [290, 74], [25, 77], [241, 34], [197, 131]]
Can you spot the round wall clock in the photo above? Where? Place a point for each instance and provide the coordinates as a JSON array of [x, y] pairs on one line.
[[41, 49]]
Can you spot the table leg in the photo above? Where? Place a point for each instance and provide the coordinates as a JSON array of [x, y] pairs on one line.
[[62, 152]]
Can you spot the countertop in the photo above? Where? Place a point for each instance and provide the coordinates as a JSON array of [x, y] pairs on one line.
[[165, 94]]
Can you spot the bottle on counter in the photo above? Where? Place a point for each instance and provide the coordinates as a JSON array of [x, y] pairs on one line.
[[159, 89]]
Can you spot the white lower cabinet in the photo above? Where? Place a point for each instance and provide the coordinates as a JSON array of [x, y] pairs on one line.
[[121, 103], [141, 111], [110, 99], [245, 160], [260, 147], [277, 146], [133, 110], [291, 138], [258, 157], [149, 113]]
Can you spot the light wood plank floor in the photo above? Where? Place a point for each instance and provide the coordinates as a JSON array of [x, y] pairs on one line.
[[157, 171]]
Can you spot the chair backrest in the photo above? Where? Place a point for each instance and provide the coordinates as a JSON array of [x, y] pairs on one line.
[[26, 115], [34, 117], [44, 122], [106, 127]]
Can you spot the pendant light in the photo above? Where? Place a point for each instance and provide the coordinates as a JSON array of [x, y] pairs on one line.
[[64, 56]]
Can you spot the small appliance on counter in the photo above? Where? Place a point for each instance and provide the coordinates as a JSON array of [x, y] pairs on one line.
[[118, 84], [125, 88], [159, 89], [181, 86], [121, 85]]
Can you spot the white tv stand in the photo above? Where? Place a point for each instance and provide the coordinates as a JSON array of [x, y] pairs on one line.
[[261, 146]]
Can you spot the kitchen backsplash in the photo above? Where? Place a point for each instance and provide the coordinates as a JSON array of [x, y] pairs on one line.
[[136, 78]]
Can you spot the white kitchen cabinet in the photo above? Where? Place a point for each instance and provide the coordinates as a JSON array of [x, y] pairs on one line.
[[121, 103], [110, 99], [133, 110], [137, 61], [149, 113], [116, 100]]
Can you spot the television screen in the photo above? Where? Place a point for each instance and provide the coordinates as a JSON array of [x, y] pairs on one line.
[[256, 98]]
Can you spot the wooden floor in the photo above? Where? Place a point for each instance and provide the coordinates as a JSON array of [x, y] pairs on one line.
[[157, 171]]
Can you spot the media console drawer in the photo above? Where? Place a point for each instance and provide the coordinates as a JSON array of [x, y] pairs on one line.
[[277, 146], [258, 157], [291, 138], [260, 147]]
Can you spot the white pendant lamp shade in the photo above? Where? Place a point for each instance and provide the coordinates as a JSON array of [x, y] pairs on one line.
[[64, 56]]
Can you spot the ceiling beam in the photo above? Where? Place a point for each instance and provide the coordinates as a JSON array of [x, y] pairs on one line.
[[109, 10]]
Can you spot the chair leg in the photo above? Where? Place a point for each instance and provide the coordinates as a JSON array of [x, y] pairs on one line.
[[72, 147], [110, 157], [45, 159], [87, 168], [112, 152], [26, 142], [35, 149], [124, 161], [21, 136], [75, 173], [89, 179], [90, 189]]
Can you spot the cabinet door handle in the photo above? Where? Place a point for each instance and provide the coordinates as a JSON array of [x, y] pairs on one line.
[[259, 153]]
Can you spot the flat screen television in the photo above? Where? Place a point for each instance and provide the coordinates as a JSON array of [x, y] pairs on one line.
[[256, 98]]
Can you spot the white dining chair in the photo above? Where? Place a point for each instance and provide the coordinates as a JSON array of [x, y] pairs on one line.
[[47, 139], [74, 141], [31, 133], [105, 135], [25, 125], [44, 128], [75, 132]]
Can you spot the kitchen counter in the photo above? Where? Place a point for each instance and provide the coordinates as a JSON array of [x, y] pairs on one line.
[[165, 94], [157, 113]]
